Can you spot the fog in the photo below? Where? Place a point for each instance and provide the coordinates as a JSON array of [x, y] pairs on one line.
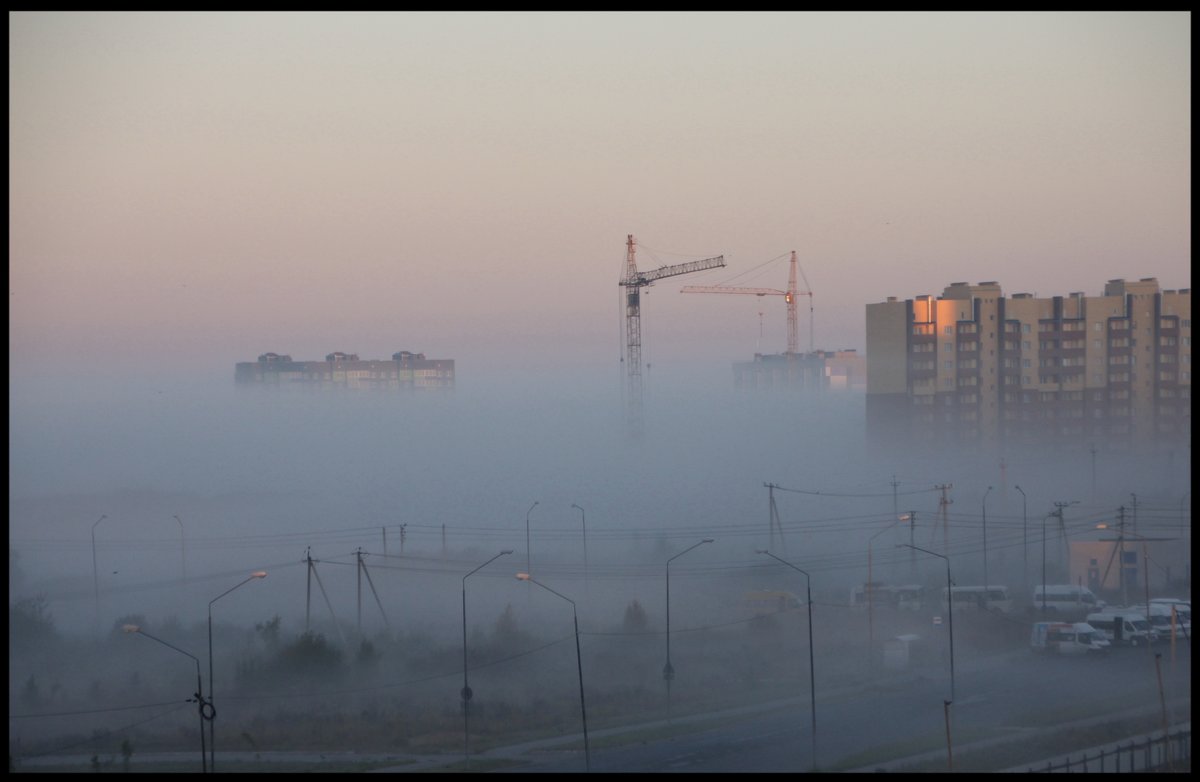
[[428, 487]]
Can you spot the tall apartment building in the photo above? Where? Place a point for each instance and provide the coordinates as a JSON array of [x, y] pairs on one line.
[[347, 370], [973, 366]]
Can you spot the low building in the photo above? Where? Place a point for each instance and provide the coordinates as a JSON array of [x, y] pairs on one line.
[[820, 370], [405, 370]]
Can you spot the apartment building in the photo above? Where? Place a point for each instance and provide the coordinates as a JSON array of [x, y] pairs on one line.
[[974, 366], [406, 370]]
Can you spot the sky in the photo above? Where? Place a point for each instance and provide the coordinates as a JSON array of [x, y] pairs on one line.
[[195, 189]]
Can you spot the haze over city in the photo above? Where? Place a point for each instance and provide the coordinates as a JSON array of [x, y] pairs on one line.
[[193, 190]]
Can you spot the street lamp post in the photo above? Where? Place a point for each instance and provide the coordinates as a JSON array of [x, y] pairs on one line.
[[870, 591], [212, 746], [466, 690], [986, 583], [182, 552], [812, 679], [949, 609], [528, 565], [587, 757], [583, 520], [668, 671], [95, 571], [1024, 540], [199, 689]]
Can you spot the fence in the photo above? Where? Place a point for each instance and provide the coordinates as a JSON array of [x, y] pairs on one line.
[[1172, 752]]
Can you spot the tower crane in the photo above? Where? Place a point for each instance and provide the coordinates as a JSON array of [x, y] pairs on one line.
[[788, 295], [633, 282]]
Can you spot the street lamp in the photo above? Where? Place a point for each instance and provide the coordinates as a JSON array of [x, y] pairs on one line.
[[95, 571], [199, 689], [528, 566], [1024, 540], [949, 609], [182, 551], [668, 671], [583, 520], [870, 588], [986, 583], [212, 739], [587, 757], [812, 680], [466, 690]]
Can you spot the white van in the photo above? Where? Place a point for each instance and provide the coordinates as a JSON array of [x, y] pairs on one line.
[[1159, 616], [1066, 599], [1123, 627], [978, 598], [1183, 608], [1067, 638]]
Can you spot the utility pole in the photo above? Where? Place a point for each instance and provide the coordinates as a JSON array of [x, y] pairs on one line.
[[943, 505], [1134, 496], [1093, 451], [774, 516], [912, 526], [359, 568]]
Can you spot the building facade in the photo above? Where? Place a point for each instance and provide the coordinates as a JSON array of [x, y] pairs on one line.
[[406, 370], [837, 370], [974, 366]]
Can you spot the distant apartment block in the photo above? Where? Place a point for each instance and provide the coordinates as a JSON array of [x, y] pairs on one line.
[[406, 370], [820, 370], [974, 366]]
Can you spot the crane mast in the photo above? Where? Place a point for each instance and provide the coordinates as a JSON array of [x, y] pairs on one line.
[[633, 282], [789, 296]]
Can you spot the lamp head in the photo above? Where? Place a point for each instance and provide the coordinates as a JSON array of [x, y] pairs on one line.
[[761, 551], [523, 576], [131, 629], [259, 574], [506, 551], [707, 540]]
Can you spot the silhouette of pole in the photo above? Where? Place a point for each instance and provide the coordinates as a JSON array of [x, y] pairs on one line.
[[583, 520], [212, 747], [1024, 538], [986, 583], [199, 690], [182, 551], [466, 690], [96, 571], [812, 678], [668, 671], [528, 563], [949, 610], [587, 757]]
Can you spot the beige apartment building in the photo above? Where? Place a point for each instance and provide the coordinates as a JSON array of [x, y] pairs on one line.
[[973, 366], [348, 371]]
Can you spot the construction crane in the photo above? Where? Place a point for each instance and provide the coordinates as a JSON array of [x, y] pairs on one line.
[[788, 295], [633, 282]]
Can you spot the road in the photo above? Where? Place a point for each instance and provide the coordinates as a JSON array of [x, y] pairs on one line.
[[1000, 697]]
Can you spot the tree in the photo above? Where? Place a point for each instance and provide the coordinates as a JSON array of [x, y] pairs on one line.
[[126, 753], [30, 622], [635, 618]]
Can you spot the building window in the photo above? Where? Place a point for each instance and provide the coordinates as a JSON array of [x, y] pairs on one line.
[[1025, 329]]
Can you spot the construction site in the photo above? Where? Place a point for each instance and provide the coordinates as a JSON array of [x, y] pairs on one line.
[[813, 370]]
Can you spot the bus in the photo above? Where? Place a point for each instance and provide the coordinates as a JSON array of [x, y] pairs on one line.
[[978, 598]]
